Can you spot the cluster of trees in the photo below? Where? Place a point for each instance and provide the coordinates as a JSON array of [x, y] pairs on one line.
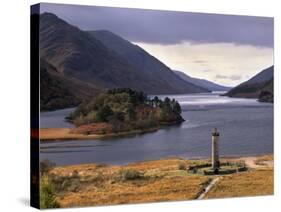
[[266, 96], [126, 109], [170, 109]]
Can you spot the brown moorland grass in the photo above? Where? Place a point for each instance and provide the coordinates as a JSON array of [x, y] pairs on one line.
[[161, 181], [165, 189], [251, 183], [151, 181], [54, 134], [265, 160]]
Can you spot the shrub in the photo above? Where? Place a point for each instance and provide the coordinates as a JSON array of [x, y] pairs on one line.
[[101, 165], [73, 185], [130, 174], [91, 117], [46, 166], [182, 166], [97, 179], [66, 183], [47, 194], [79, 120]]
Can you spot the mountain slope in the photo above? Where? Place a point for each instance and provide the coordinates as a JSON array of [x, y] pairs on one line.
[[202, 82], [260, 86], [267, 93], [77, 54], [57, 92], [149, 66], [53, 94], [263, 76]]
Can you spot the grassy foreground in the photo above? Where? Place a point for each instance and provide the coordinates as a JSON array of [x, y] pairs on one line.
[[252, 183], [152, 181]]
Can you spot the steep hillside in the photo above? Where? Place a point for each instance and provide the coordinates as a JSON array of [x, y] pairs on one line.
[[57, 92], [149, 66], [77, 54], [53, 94], [263, 76], [202, 82], [260, 86]]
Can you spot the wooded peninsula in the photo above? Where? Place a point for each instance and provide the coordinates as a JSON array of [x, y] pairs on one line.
[[124, 110]]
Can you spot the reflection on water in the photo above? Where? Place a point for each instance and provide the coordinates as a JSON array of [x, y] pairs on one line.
[[246, 128]]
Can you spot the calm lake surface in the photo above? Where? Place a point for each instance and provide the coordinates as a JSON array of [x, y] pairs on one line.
[[246, 128]]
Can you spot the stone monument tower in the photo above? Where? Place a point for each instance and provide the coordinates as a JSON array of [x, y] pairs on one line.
[[215, 150]]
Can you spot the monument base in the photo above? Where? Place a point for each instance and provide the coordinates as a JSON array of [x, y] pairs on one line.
[[225, 168]]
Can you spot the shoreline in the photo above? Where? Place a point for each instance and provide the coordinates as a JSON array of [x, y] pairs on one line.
[[265, 157], [63, 134]]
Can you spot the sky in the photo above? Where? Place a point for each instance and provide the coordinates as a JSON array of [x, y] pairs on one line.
[[225, 49]]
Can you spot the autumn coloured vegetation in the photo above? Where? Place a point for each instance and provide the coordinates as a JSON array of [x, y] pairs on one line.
[[124, 109]]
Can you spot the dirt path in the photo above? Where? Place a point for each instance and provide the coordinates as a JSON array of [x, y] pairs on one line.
[[251, 163], [208, 187]]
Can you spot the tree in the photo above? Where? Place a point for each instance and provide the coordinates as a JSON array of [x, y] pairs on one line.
[[130, 114], [177, 108], [104, 113], [167, 101], [156, 101], [126, 109]]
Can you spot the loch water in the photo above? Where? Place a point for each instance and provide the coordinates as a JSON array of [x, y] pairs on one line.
[[245, 125]]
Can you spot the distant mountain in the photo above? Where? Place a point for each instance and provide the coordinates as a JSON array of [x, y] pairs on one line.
[[150, 67], [260, 86], [81, 57], [202, 82], [264, 75]]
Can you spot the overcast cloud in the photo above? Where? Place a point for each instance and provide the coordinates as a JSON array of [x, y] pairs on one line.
[[223, 63], [202, 45], [165, 27]]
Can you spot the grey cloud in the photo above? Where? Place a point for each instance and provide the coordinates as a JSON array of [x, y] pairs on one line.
[[199, 61], [235, 77], [231, 77], [218, 76], [207, 70], [168, 27]]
